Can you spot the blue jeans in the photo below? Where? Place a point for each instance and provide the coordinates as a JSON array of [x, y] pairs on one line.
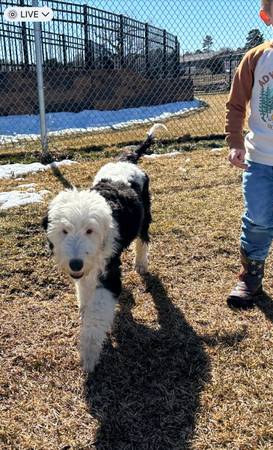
[[257, 221]]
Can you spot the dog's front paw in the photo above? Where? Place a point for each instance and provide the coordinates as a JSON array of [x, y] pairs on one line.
[[89, 361], [141, 257], [90, 353], [141, 268]]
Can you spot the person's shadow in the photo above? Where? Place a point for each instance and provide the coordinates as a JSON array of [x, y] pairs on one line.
[[145, 391], [265, 304]]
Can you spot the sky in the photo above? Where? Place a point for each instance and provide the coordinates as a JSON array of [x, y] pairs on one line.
[[227, 21]]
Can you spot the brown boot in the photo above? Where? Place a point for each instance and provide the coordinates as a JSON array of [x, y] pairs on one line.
[[249, 285]]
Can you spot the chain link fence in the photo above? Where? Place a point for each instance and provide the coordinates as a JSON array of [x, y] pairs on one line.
[[110, 67]]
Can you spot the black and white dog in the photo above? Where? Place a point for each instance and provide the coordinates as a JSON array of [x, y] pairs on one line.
[[87, 232]]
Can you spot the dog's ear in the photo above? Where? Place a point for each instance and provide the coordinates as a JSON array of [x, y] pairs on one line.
[[51, 247], [44, 222]]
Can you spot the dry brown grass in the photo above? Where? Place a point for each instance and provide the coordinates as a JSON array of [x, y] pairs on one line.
[[181, 370]]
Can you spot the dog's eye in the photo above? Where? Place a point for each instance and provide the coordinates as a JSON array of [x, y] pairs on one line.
[[89, 231], [65, 232]]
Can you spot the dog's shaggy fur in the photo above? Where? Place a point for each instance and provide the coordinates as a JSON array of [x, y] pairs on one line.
[[87, 232]]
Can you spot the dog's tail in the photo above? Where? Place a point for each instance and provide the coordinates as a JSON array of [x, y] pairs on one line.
[[137, 153]]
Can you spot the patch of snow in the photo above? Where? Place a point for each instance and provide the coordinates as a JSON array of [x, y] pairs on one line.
[[62, 123], [162, 155], [17, 170], [18, 198], [30, 187]]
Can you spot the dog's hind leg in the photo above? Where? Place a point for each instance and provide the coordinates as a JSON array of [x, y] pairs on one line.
[[97, 318], [142, 241]]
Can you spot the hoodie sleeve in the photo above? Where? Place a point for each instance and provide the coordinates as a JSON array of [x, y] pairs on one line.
[[240, 95]]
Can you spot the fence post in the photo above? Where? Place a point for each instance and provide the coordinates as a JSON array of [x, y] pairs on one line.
[[147, 53], [87, 47], [64, 50], [121, 40], [24, 41], [177, 58], [40, 81], [165, 52], [230, 72]]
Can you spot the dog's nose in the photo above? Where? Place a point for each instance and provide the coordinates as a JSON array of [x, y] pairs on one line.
[[76, 264]]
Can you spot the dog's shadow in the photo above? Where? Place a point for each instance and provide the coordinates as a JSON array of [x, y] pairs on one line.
[[145, 391]]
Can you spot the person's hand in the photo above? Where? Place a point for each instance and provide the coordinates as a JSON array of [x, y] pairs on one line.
[[236, 158]]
